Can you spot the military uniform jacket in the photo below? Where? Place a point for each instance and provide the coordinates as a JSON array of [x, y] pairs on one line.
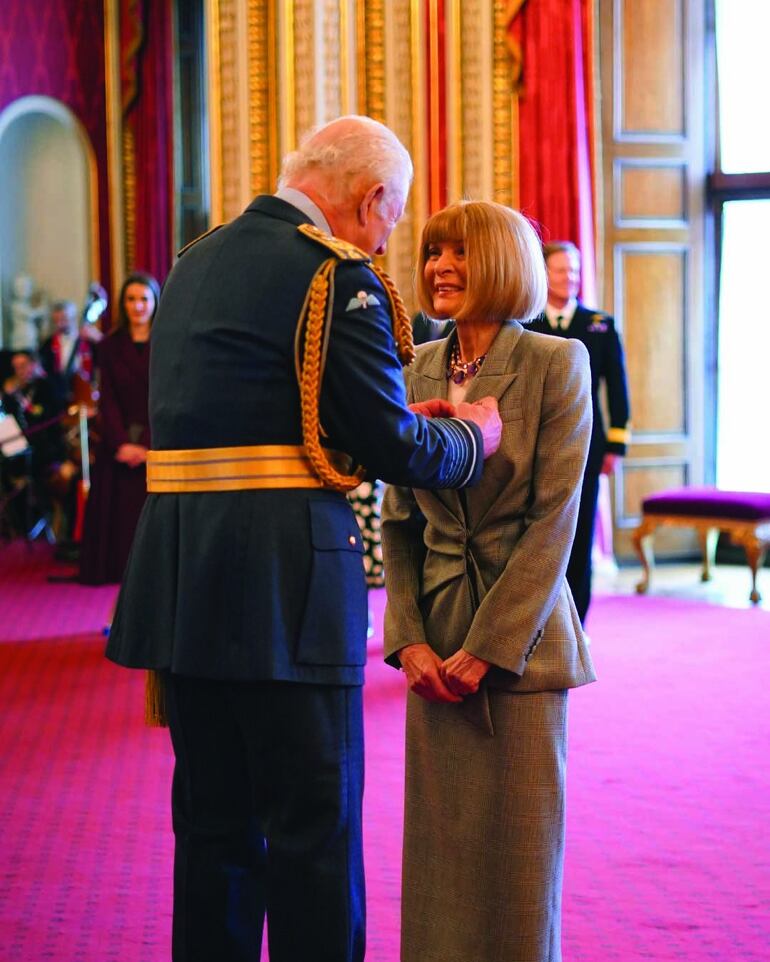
[[485, 571], [597, 331], [268, 584]]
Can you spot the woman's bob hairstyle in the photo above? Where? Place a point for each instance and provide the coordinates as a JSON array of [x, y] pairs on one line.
[[504, 261]]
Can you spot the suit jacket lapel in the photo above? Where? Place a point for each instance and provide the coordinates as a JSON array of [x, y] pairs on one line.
[[497, 372], [430, 380]]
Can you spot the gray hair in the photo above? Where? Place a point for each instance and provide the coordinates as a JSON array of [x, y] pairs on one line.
[[364, 149], [69, 307], [560, 247]]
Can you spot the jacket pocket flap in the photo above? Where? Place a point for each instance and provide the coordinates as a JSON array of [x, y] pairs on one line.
[[333, 527]]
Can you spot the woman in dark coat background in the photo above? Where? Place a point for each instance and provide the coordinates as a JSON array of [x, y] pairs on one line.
[[118, 483]]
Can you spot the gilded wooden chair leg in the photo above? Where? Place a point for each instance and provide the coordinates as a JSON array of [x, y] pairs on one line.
[[642, 539], [755, 555], [708, 539]]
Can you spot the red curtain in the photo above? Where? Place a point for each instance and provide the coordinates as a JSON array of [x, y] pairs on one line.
[[556, 124], [56, 49], [146, 75]]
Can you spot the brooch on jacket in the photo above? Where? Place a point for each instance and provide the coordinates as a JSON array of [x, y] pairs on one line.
[[598, 324]]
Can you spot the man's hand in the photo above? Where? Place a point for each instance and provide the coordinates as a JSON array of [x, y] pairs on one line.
[[609, 462], [436, 408], [421, 665], [485, 415], [462, 673], [131, 454]]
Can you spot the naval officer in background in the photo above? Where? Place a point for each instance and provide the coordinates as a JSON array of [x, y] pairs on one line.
[[565, 316]]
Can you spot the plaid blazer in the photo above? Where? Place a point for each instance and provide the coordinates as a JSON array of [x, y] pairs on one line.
[[483, 568]]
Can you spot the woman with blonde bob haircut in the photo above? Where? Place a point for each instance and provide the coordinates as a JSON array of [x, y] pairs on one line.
[[479, 614]]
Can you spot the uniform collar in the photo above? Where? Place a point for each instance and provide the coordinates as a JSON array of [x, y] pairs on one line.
[[303, 203], [566, 313]]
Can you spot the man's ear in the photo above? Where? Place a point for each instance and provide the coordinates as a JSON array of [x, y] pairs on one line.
[[371, 198]]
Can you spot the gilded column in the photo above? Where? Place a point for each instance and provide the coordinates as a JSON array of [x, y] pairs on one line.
[[304, 65], [332, 80], [264, 146], [477, 40], [505, 148]]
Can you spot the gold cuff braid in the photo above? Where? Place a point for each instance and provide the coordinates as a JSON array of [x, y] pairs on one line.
[[316, 319]]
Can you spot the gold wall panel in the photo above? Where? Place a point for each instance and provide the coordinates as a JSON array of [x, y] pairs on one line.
[[651, 283], [505, 113], [233, 172], [264, 150], [643, 479], [478, 53], [651, 76], [650, 43], [278, 67], [650, 193], [332, 78], [304, 66], [370, 58]]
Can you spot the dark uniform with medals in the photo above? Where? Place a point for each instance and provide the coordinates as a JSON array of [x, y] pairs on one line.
[[597, 331], [245, 586]]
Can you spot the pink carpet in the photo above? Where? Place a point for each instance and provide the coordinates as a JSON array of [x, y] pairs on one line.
[[669, 788]]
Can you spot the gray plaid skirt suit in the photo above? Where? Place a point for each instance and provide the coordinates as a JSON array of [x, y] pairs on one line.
[[483, 569]]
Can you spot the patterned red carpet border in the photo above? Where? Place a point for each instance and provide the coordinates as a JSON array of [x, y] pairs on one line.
[[669, 787]]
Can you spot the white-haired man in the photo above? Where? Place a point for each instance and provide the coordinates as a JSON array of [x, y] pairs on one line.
[[245, 586]]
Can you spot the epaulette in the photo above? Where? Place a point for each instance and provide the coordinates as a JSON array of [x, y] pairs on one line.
[[599, 323], [195, 240], [342, 249]]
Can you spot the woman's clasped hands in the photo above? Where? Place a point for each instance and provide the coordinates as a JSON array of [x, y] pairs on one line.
[[436, 680]]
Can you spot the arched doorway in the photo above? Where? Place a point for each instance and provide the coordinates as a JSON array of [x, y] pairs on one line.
[[49, 228]]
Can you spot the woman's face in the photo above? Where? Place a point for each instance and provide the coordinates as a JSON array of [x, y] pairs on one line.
[[446, 276], [139, 303]]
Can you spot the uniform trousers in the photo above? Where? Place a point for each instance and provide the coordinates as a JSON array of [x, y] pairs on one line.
[[579, 568], [266, 805]]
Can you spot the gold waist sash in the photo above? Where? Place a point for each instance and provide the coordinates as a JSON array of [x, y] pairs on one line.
[[230, 469]]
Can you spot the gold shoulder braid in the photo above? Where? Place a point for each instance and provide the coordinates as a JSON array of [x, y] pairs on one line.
[[313, 336]]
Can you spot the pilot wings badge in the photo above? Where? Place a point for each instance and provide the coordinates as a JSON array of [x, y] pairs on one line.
[[361, 300]]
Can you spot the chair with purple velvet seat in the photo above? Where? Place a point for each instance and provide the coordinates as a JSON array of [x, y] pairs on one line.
[[743, 515]]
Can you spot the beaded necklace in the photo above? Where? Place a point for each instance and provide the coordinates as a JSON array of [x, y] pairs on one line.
[[458, 371]]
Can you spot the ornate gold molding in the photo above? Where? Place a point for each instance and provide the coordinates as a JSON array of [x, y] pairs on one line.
[[514, 47], [477, 99], [263, 105], [114, 144], [214, 112], [454, 95], [129, 195], [345, 49], [286, 76], [504, 146], [418, 99], [230, 147], [304, 65], [370, 54], [332, 83]]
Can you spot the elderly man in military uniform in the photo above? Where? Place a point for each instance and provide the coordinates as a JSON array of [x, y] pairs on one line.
[[565, 316], [274, 372]]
